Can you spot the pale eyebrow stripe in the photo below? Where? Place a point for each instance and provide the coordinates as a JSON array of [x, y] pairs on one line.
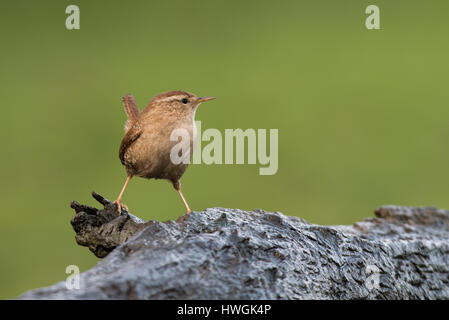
[[171, 98]]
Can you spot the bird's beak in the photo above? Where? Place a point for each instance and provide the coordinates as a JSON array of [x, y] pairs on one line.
[[204, 99]]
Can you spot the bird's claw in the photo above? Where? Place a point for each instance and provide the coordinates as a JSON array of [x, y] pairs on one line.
[[120, 206]]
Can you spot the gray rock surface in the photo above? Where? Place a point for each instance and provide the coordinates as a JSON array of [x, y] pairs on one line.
[[220, 253]]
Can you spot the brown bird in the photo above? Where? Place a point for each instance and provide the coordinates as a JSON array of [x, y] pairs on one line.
[[146, 147]]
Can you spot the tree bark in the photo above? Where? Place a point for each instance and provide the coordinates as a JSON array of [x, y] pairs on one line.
[[402, 253]]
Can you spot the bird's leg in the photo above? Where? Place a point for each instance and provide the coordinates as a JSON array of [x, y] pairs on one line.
[[118, 202], [177, 186]]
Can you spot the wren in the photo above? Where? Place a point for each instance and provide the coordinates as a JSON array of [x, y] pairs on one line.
[[146, 147]]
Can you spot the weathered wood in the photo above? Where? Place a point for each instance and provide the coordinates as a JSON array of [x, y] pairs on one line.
[[219, 253], [103, 230]]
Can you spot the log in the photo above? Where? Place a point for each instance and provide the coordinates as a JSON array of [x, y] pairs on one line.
[[219, 253]]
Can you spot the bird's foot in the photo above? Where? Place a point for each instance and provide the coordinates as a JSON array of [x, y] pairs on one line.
[[120, 206]]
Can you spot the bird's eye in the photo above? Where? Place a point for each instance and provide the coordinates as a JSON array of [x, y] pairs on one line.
[[184, 100]]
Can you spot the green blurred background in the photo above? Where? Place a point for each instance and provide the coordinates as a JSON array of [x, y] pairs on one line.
[[362, 114]]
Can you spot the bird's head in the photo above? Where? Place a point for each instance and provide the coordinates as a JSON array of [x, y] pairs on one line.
[[180, 102]]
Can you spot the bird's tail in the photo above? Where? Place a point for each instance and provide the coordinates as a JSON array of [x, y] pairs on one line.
[[131, 109]]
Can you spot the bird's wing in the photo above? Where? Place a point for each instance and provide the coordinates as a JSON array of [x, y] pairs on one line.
[[131, 109], [130, 137]]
